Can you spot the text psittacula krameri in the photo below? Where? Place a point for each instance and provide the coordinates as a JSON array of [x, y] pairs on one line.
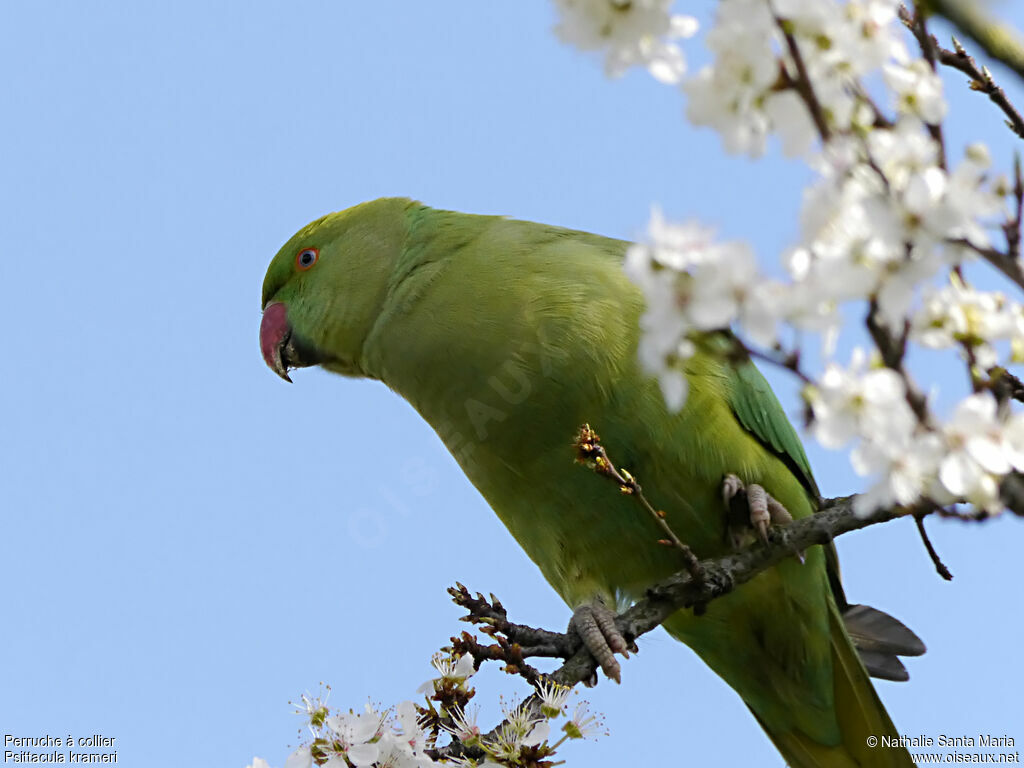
[[506, 336]]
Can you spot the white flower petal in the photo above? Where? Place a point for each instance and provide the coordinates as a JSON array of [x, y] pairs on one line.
[[674, 388], [959, 474], [538, 735], [989, 454], [300, 758], [363, 754]]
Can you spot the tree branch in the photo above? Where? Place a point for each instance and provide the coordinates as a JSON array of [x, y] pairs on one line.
[[997, 40], [591, 452], [722, 575], [719, 577], [802, 83], [981, 79], [930, 49], [1004, 385], [1003, 262], [940, 567]]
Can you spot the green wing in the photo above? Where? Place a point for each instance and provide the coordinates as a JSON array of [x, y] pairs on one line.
[[760, 413], [879, 638]]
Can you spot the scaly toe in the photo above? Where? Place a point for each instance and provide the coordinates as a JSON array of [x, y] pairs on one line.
[[751, 507], [595, 624]]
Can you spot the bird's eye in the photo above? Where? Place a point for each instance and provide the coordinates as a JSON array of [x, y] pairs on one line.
[[306, 258]]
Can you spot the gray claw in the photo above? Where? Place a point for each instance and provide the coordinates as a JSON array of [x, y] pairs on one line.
[[762, 510], [595, 624], [757, 502]]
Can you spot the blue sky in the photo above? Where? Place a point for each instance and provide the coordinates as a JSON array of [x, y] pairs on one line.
[[188, 542]]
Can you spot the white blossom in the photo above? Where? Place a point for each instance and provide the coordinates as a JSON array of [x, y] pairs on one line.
[[728, 95], [905, 471], [864, 36], [583, 724], [901, 151], [356, 734], [404, 747], [859, 400], [455, 669], [538, 734], [788, 115], [463, 726], [552, 697], [974, 199], [519, 719], [738, 94], [960, 315], [980, 448], [882, 221], [692, 283], [506, 744], [918, 90], [630, 32], [312, 708], [656, 267], [300, 758]]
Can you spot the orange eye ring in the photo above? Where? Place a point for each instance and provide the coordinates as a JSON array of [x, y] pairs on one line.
[[306, 258]]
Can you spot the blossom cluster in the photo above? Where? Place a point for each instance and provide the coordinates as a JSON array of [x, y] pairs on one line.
[[630, 32], [406, 735], [888, 223], [391, 738], [866, 404], [958, 316]]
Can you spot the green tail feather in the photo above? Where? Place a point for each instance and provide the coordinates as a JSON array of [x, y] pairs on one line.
[[860, 714]]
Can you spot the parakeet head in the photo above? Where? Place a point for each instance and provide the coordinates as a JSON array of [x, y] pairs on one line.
[[325, 287]]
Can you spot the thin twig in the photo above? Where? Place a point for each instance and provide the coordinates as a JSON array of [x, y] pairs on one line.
[[1011, 491], [591, 452], [724, 574], [893, 349], [803, 85], [881, 120], [721, 576], [1004, 385], [512, 654], [1004, 262], [940, 567], [918, 25], [694, 587], [981, 81], [788, 360], [1011, 229], [958, 59], [491, 615], [998, 40], [682, 590]]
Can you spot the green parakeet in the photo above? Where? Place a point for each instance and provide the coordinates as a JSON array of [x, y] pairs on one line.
[[506, 336]]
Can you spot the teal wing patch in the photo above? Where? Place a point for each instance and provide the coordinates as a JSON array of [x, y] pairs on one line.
[[760, 413]]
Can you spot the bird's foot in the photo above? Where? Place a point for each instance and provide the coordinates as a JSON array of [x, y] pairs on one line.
[[751, 506], [594, 622]]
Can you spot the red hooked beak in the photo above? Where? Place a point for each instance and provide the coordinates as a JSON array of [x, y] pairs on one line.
[[275, 334]]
